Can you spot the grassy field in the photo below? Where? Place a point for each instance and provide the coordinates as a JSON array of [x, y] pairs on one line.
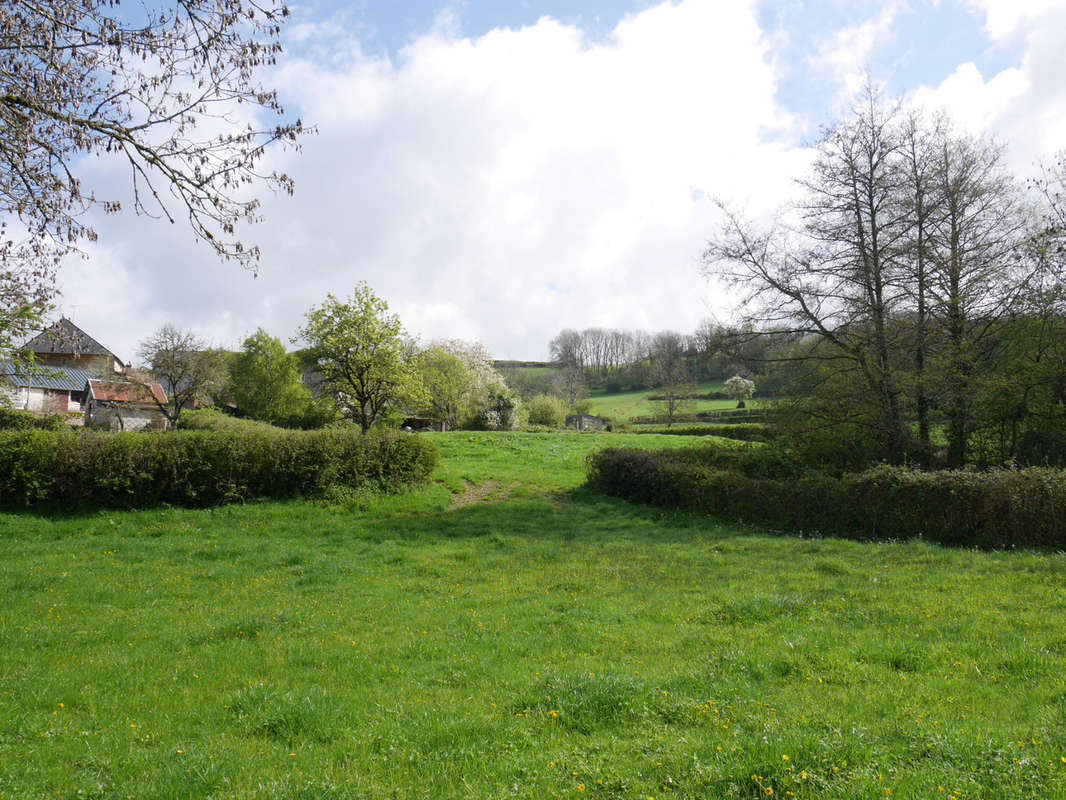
[[505, 633], [622, 407]]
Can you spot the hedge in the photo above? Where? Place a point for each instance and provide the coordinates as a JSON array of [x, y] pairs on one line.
[[200, 468], [13, 419], [751, 432], [732, 415], [998, 509]]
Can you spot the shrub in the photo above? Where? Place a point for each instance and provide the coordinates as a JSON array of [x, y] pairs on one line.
[[12, 419], [201, 467], [997, 509], [547, 410]]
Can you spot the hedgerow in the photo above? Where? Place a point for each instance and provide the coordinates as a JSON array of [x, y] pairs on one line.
[[201, 468], [13, 419], [752, 432], [997, 509]]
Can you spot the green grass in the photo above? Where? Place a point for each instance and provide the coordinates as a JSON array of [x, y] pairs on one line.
[[622, 407], [542, 639]]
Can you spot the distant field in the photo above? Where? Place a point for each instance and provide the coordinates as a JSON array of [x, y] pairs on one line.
[[621, 407], [505, 633]]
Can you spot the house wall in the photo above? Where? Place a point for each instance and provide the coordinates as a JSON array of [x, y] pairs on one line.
[[15, 395], [124, 419]]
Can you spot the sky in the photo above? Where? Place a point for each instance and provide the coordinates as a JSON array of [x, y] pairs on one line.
[[498, 171]]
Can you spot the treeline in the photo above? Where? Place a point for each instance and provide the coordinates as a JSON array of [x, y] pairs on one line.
[[632, 360], [914, 294]]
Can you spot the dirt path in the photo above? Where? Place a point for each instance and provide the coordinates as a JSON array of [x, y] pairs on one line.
[[488, 492]]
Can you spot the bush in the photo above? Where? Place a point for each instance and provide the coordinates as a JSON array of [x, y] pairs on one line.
[[12, 419], [201, 467], [997, 509], [547, 410]]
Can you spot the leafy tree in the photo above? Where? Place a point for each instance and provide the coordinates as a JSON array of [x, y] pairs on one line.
[[448, 384], [170, 89], [362, 354], [547, 409], [190, 371], [265, 382]]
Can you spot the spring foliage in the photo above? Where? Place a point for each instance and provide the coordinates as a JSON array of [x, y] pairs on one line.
[[201, 467]]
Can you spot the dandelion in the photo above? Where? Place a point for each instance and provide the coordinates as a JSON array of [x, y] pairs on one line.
[[803, 775], [785, 758]]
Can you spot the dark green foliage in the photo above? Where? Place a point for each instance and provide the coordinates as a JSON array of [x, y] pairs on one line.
[[734, 415], [201, 468], [12, 419], [753, 432], [997, 509]]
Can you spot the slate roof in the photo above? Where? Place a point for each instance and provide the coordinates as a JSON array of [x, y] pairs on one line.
[[42, 377], [126, 392], [66, 338]]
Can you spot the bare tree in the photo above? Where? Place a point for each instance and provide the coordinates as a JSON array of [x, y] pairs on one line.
[[977, 273], [835, 279], [190, 371], [170, 89]]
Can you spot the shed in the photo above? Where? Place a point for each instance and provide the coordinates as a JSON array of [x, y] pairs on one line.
[[125, 405]]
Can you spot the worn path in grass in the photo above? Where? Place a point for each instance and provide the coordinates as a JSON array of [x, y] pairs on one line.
[[388, 647]]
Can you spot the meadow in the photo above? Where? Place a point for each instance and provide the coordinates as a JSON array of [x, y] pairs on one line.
[[504, 632], [623, 406]]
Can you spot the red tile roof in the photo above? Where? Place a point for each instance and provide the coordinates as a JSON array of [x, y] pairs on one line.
[[125, 392]]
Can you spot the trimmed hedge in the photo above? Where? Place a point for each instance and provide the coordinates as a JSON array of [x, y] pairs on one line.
[[724, 416], [13, 419], [1000, 509], [751, 432], [201, 468]]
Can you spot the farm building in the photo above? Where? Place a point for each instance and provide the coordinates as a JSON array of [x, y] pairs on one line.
[[66, 345], [43, 389], [124, 405], [585, 422]]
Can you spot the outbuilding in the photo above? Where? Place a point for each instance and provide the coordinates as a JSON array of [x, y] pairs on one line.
[[125, 405]]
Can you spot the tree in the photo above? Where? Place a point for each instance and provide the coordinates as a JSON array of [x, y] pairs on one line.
[[190, 371], [362, 353], [448, 384], [170, 89], [977, 277], [739, 389], [669, 371], [547, 409], [265, 383], [904, 261]]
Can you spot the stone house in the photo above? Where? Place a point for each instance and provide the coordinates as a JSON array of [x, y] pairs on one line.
[[124, 405]]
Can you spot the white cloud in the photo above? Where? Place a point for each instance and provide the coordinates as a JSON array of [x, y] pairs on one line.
[[1004, 17], [844, 55], [1023, 105], [498, 188]]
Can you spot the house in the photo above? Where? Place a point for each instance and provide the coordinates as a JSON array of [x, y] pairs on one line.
[[45, 390], [124, 405], [65, 345]]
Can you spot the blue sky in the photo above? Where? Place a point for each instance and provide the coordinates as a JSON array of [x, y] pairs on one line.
[[501, 170]]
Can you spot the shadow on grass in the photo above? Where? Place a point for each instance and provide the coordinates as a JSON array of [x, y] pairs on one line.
[[583, 513]]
